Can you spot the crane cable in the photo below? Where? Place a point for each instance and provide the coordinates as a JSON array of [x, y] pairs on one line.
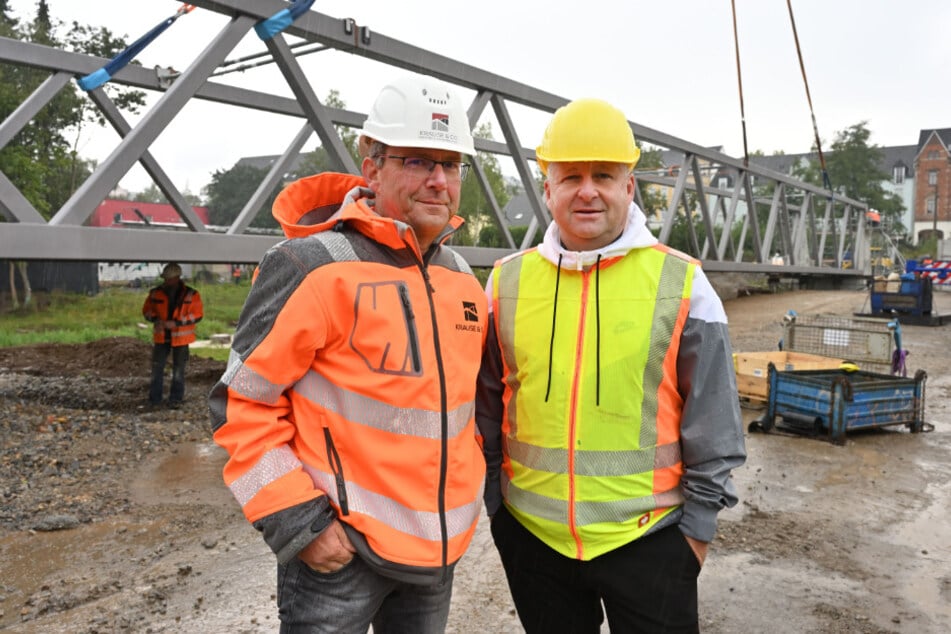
[[822, 161], [739, 79]]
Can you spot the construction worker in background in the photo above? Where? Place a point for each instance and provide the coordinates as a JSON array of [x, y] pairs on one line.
[[173, 309], [607, 401], [348, 404]]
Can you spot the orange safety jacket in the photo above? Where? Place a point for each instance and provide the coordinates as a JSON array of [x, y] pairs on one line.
[[351, 386], [185, 309]]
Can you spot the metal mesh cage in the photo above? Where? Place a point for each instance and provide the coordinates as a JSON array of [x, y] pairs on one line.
[[869, 343]]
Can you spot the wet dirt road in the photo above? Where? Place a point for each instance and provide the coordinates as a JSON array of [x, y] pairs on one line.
[[827, 538]]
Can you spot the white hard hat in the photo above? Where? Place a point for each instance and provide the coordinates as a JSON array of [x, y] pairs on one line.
[[420, 112]]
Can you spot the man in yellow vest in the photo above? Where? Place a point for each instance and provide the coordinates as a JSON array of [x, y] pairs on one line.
[[607, 401]]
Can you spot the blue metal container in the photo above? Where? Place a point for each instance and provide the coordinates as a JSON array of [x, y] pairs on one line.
[[834, 402]]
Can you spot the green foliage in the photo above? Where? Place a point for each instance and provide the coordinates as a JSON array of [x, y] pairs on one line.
[[114, 312], [482, 274], [40, 160], [229, 190], [151, 194], [680, 235], [518, 234], [481, 227], [653, 199], [319, 160], [853, 169]]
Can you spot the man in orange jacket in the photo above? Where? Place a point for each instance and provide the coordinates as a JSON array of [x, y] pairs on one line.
[[173, 309], [348, 404]]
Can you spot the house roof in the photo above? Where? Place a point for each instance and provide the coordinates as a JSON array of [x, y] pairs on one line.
[[890, 157], [944, 135]]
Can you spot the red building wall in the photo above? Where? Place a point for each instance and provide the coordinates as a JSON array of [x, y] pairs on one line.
[[125, 210]]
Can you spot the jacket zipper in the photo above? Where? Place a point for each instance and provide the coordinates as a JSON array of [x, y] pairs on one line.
[[337, 467], [411, 326], [572, 427], [444, 421]]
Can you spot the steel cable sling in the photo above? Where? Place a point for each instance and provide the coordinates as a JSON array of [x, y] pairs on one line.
[[802, 67], [739, 79], [98, 78], [266, 29]]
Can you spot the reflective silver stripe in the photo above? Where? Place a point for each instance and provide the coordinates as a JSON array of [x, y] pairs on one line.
[[624, 510], [508, 279], [364, 410], [594, 463], [421, 524], [249, 383], [587, 513], [670, 288], [338, 246], [275, 464]]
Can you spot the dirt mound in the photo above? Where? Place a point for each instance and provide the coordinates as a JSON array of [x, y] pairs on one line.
[[114, 357]]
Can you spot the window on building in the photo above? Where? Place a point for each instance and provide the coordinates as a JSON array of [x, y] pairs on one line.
[[723, 182], [933, 177], [929, 206], [898, 174], [932, 155]]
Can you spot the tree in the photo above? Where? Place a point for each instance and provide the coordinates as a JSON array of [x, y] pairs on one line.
[[229, 191], [854, 172], [40, 161], [655, 203], [481, 226], [319, 161], [151, 194]]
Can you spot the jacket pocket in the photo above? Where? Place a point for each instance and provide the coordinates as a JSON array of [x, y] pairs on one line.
[[386, 343]]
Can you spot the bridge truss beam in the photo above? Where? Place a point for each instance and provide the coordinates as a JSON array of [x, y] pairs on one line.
[[723, 200]]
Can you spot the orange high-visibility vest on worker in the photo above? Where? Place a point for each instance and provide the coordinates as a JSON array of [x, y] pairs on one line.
[[185, 309], [383, 425]]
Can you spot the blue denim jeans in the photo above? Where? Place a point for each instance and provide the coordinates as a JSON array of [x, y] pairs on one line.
[[160, 352], [348, 600]]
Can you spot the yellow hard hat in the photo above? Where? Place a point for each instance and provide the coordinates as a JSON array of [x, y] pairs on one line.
[[587, 130]]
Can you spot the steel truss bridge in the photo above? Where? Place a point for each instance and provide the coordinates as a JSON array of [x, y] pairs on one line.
[[816, 234]]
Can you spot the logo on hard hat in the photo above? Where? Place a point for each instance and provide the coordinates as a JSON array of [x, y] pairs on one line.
[[440, 122]]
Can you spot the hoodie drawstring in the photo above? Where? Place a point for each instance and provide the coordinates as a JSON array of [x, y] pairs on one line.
[[597, 330], [551, 343]]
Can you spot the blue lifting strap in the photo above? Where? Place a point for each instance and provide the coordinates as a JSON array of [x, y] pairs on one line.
[[266, 29], [98, 78]]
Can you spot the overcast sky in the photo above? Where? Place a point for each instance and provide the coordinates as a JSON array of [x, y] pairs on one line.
[[668, 65]]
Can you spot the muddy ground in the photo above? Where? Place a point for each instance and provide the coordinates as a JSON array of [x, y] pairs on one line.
[[114, 518]]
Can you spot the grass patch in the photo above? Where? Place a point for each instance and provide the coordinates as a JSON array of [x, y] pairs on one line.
[[114, 312]]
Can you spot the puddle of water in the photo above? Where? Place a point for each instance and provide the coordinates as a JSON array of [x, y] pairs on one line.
[[929, 534], [191, 475], [32, 560]]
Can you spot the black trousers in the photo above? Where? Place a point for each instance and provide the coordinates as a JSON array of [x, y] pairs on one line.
[[648, 585]]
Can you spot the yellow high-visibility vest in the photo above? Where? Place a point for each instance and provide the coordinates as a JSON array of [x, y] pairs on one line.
[[591, 433]]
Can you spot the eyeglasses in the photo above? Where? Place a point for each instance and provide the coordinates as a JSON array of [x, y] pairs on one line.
[[422, 167]]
